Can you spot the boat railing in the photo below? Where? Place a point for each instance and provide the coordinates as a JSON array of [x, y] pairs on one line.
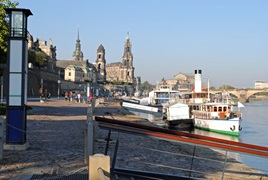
[[203, 114]]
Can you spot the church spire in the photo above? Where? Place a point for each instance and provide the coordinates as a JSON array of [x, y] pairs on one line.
[[127, 58], [78, 55], [78, 34]]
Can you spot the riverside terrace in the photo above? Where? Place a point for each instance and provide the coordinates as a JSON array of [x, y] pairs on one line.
[[57, 141]]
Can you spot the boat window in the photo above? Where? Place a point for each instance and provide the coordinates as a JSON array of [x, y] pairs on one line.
[[220, 109], [215, 109], [224, 109], [210, 109]]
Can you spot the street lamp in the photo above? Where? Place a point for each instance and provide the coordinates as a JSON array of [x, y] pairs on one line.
[[59, 85], [17, 79]]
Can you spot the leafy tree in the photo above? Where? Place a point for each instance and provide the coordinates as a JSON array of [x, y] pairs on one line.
[[4, 27], [147, 86], [31, 56], [224, 86], [41, 59], [212, 88]]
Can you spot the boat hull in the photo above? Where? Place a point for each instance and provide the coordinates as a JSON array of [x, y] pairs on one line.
[[179, 123], [223, 126]]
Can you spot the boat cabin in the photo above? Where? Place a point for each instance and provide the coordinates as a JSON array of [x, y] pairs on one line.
[[216, 111]]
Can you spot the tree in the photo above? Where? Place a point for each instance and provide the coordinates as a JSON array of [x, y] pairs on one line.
[[224, 86], [4, 27], [41, 59], [31, 56], [147, 86], [212, 88]]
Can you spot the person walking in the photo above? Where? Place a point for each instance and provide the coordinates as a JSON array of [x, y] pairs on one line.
[[70, 96], [79, 97], [66, 95], [90, 97], [41, 93], [46, 95]]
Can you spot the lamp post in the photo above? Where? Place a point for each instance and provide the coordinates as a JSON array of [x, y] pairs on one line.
[[17, 79], [59, 85]]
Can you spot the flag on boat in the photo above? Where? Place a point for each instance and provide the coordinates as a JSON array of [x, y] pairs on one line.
[[239, 104]]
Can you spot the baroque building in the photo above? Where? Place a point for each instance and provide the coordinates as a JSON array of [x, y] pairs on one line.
[[40, 45], [101, 64], [78, 54], [77, 70], [122, 71]]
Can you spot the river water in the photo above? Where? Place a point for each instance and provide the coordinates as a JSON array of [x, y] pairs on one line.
[[255, 131]]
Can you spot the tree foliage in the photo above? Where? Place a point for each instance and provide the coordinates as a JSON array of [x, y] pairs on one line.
[[225, 87], [147, 86], [4, 26], [41, 58], [212, 88], [31, 57]]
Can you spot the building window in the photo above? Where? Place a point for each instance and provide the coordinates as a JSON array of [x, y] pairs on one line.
[[70, 73], [99, 56], [99, 66]]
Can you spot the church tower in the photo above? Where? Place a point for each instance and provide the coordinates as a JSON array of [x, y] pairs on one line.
[[101, 63], [78, 55], [127, 72]]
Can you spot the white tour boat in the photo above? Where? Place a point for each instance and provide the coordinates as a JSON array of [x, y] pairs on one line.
[[222, 118], [218, 115]]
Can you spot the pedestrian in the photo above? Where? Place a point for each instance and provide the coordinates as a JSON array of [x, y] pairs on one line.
[[76, 97], [90, 97], [41, 93], [79, 97], [66, 96], [46, 95], [70, 96]]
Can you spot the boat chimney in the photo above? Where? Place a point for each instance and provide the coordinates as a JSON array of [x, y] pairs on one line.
[[198, 80]]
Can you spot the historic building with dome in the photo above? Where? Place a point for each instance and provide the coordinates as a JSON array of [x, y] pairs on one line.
[[115, 75]]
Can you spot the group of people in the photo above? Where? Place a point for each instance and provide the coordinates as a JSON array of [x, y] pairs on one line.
[[69, 96], [46, 94]]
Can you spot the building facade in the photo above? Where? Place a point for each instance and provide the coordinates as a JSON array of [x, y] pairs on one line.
[[100, 64], [40, 45], [78, 69], [261, 85], [122, 71]]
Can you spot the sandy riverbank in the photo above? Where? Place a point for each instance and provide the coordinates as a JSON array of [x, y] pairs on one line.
[[56, 137]]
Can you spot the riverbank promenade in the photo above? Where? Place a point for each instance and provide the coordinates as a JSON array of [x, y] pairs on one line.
[[56, 135]]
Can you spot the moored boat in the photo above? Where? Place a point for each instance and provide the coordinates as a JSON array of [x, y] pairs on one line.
[[222, 118], [177, 115]]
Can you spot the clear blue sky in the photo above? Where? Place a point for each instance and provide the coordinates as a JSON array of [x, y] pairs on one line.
[[227, 39]]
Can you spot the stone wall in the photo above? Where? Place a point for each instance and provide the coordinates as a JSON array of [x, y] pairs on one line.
[[50, 82]]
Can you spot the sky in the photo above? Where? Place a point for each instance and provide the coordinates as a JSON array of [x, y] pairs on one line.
[[226, 39]]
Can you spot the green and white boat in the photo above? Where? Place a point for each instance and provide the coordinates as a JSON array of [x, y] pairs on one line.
[[222, 118]]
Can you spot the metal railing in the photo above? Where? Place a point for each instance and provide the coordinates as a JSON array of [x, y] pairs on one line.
[[189, 165]]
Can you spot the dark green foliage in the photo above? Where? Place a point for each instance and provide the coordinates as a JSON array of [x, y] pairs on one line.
[[31, 57], [147, 86], [4, 31], [41, 59], [225, 87]]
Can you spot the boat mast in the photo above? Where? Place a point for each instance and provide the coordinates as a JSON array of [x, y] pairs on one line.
[[208, 91]]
